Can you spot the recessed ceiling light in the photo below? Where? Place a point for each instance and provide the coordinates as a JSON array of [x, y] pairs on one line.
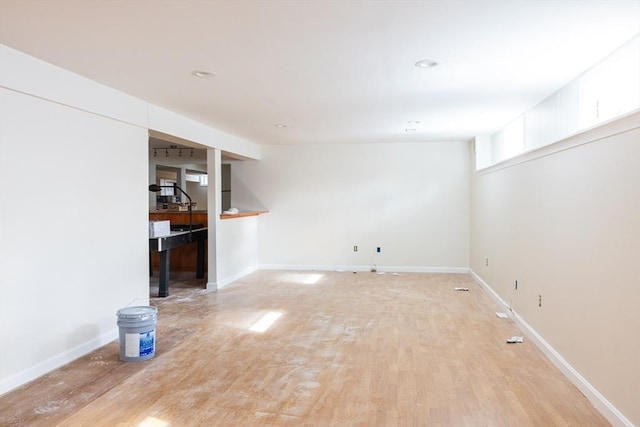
[[427, 63], [201, 73], [281, 125]]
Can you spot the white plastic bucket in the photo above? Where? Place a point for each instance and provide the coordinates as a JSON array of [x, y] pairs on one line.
[[137, 333]]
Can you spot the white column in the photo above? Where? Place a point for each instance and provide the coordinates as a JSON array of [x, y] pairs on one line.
[[214, 204]]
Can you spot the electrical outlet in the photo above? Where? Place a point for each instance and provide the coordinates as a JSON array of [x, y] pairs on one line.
[[355, 248], [378, 250], [516, 285], [486, 262], [539, 300]]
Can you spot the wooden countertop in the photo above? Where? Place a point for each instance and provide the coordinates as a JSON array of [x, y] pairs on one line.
[[242, 214], [200, 216]]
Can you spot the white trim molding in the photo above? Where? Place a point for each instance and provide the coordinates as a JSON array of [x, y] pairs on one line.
[[228, 280], [48, 365], [366, 268], [606, 408]]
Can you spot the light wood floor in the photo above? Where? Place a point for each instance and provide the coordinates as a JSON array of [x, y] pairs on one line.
[[348, 350]]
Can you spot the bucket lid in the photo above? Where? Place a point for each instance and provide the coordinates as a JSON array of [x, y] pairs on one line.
[[137, 312]]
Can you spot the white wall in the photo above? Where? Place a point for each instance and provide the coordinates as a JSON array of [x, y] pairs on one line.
[[238, 248], [566, 226], [410, 199], [74, 243], [74, 221], [234, 241]]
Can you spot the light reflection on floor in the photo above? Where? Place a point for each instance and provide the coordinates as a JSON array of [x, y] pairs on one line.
[[153, 422], [303, 278], [265, 321]]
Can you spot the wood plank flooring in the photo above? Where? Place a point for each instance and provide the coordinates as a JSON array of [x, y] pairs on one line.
[[349, 349]]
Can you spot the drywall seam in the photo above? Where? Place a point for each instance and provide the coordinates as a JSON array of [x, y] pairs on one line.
[[99, 99], [606, 408], [67, 88]]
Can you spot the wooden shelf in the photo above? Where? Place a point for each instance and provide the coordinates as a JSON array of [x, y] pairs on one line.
[[242, 214]]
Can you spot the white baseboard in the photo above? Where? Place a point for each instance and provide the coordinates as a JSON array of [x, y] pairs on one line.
[[228, 280], [44, 367], [448, 270], [610, 412], [365, 268]]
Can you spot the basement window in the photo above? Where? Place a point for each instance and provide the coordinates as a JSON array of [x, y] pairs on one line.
[[167, 187], [612, 87], [514, 138]]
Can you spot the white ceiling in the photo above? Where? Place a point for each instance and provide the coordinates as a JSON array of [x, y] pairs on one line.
[[333, 71]]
